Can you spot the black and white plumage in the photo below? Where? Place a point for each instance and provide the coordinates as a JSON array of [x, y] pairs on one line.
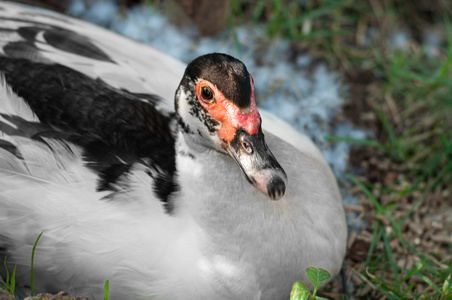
[[165, 201]]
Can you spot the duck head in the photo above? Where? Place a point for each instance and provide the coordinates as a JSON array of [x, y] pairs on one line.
[[215, 108]]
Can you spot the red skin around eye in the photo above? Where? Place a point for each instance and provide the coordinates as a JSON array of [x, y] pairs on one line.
[[229, 114]]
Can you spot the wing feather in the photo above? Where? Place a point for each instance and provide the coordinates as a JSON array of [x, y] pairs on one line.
[[11, 104], [83, 85]]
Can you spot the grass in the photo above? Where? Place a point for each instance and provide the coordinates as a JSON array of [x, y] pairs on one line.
[[409, 99], [10, 283], [32, 279]]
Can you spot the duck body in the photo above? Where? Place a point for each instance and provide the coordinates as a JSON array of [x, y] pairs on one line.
[[184, 202]]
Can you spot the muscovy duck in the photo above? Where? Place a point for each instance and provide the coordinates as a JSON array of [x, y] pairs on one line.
[[166, 197]]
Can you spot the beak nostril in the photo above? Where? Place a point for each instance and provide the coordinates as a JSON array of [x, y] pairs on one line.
[[258, 163], [276, 188]]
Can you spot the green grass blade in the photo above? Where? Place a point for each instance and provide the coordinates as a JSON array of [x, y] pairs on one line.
[[319, 12], [258, 10], [409, 288], [32, 286], [238, 46], [447, 169], [394, 142], [446, 285], [429, 282], [366, 191], [446, 66], [406, 244], [13, 282], [387, 287], [7, 275], [390, 257], [106, 289], [376, 237], [356, 141]]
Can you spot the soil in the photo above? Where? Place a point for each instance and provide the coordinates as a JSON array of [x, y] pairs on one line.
[[59, 296], [429, 227]]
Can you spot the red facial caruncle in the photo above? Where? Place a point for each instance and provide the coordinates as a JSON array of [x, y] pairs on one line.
[[226, 112]]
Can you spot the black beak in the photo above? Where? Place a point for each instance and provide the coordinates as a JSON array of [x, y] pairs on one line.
[[258, 163]]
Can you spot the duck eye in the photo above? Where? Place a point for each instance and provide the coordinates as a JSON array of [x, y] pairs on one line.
[[207, 94]]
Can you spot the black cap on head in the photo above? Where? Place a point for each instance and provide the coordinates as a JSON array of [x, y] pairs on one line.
[[226, 72]]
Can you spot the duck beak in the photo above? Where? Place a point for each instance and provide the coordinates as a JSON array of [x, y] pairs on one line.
[[258, 163]]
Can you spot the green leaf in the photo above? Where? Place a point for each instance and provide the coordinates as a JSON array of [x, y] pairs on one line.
[[320, 298], [317, 276], [299, 291]]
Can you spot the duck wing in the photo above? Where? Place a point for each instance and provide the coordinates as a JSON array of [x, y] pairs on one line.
[[110, 102]]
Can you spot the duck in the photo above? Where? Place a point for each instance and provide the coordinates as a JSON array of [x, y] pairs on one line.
[[163, 178]]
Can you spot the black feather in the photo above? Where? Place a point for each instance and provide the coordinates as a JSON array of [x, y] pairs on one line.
[[57, 37], [226, 72], [114, 127]]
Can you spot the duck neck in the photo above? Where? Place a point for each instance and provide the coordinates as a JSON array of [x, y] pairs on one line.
[[190, 144], [195, 162], [211, 183]]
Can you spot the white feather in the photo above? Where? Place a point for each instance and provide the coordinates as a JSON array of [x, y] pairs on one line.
[[11, 104], [136, 68]]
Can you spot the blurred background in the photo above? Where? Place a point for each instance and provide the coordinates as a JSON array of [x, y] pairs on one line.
[[369, 81]]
